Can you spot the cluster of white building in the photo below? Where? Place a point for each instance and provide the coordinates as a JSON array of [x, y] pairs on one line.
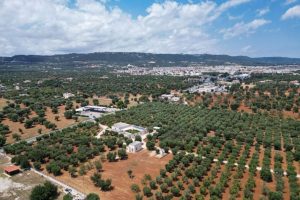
[[198, 69], [130, 131]]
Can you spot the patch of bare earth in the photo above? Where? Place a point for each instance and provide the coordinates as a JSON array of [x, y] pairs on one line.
[[3, 103], [244, 108]]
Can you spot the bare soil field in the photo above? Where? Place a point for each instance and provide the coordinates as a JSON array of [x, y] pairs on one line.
[[103, 100], [62, 122], [291, 114], [244, 108], [27, 133], [3, 103], [140, 163]]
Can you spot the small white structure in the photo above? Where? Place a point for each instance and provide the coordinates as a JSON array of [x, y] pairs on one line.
[[69, 79], [68, 95], [162, 152], [135, 147], [242, 76], [170, 97]]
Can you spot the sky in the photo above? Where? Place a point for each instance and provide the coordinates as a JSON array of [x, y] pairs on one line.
[[255, 28]]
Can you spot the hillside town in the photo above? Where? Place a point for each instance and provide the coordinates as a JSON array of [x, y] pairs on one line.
[[203, 69]]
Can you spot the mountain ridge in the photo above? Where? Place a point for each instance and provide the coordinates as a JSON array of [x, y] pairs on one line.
[[142, 58]]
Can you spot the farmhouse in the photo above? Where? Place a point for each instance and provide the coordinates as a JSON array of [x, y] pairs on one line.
[[11, 170], [94, 112], [128, 130], [135, 147]]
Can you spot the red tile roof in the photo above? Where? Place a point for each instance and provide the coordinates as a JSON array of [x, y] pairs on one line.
[[11, 168]]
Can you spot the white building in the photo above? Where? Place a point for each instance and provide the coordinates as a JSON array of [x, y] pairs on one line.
[[128, 130], [135, 147], [124, 127], [94, 112], [68, 95], [101, 109]]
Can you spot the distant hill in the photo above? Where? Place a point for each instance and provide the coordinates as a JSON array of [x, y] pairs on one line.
[[148, 59]]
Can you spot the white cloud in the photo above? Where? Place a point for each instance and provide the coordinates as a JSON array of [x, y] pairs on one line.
[[243, 28], [263, 11], [293, 12], [247, 49], [231, 3], [50, 27]]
